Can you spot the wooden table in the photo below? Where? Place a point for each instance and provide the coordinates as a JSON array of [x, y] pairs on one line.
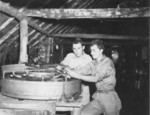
[[51, 106], [74, 107]]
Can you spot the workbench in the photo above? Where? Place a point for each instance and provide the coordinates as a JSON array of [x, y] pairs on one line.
[[74, 107], [50, 106]]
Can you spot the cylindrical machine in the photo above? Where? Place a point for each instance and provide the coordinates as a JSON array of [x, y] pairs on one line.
[[39, 90], [37, 85]]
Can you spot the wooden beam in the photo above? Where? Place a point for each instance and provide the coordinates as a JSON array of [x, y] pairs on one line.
[[10, 32], [35, 36], [48, 50], [6, 23], [101, 36], [89, 13], [11, 43], [20, 16], [23, 57]]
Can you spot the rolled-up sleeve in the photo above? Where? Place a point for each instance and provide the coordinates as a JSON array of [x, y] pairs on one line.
[[105, 70], [67, 59]]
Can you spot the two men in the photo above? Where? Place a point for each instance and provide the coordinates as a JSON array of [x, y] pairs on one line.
[[77, 60], [101, 71]]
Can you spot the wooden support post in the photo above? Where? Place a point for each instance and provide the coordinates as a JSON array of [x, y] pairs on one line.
[[48, 49], [62, 52], [23, 58], [51, 49]]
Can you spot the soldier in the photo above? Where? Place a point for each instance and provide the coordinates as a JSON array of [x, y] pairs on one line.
[[77, 60], [101, 71]]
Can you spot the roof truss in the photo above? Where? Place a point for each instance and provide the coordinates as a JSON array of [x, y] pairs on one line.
[[88, 13]]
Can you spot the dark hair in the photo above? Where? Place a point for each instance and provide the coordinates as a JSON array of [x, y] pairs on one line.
[[99, 44], [77, 40]]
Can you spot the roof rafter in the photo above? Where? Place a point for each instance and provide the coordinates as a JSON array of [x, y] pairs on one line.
[[9, 34], [6, 23], [20, 16], [101, 36], [89, 13]]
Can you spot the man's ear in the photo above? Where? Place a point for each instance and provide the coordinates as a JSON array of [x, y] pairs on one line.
[[102, 50], [83, 47]]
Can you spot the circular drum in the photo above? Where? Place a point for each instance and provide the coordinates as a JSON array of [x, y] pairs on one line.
[[40, 90]]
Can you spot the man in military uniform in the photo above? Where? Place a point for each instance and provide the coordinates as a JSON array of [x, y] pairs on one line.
[[101, 71], [77, 60]]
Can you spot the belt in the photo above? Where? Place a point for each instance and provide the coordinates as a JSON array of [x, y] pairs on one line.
[[105, 91]]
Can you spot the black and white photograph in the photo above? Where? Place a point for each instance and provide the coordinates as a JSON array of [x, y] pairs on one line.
[[74, 57]]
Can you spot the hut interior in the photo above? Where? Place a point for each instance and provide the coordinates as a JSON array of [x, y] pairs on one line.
[[50, 26]]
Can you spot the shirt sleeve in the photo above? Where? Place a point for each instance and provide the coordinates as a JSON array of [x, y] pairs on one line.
[[89, 59], [66, 59], [106, 70]]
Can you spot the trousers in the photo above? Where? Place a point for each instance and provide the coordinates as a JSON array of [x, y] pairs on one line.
[[103, 103], [85, 94]]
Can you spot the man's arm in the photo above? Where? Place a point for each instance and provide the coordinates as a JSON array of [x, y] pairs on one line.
[[103, 72], [66, 59], [82, 77]]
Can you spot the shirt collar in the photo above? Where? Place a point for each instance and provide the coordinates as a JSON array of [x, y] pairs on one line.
[[80, 56], [99, 60]]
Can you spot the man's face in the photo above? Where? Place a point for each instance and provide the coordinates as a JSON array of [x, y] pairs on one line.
[[78, 49], [96, 52]]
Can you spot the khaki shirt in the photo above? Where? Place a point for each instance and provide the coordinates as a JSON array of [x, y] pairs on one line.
[[105, 70]]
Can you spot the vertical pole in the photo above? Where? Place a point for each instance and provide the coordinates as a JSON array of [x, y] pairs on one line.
[[52, 49], [48, 49], [23, 58], [62, 52]]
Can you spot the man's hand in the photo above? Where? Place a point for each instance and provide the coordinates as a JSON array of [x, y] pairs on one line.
[[71, 73], [61, 68]]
